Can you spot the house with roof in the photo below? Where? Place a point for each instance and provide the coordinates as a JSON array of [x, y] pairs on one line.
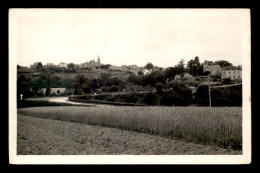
[[214, 69], [56, 91], [231, 72], [63, 64], [184, 75]]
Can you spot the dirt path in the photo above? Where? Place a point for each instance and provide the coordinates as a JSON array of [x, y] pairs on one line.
[[65, 100], [52, 137]]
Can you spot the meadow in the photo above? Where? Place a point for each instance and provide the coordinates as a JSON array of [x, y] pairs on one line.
[[218, 126]]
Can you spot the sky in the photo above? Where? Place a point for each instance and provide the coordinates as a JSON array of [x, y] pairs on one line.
[[127, 37]]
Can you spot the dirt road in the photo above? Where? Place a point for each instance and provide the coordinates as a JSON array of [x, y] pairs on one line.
[[65, 100], [38, 136]]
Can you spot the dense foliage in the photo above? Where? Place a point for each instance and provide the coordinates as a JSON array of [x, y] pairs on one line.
[[159, 86], [229, 96]]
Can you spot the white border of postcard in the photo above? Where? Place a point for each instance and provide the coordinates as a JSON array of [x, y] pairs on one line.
[[245, 158]]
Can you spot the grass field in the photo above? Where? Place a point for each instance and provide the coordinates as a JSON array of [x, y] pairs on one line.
[[38, 136], [212, 126]]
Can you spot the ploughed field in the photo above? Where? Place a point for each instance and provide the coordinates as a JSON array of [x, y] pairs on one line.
[[129, 130]]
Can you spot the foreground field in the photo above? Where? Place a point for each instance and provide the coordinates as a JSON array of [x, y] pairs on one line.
[[210, 126], [37, 136]]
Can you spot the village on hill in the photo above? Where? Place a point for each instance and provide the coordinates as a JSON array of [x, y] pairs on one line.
[[182, 84]]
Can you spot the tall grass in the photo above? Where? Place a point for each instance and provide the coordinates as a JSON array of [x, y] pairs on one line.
[[214, 126]]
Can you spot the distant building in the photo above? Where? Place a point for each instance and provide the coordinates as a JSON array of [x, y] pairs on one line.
[[36, 74], [231, 72], [49, 64], [145, 71], [56, 91], [113, 67], [213, 69], [22, 69], [183, 76], [92, 64], [34, 65], [62, 64]]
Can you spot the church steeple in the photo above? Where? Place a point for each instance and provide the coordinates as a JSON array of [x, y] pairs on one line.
[[98, 60]]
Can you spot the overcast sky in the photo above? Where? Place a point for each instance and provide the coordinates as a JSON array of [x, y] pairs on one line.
[[126, 37]]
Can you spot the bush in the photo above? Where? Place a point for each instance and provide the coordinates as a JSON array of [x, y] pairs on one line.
[[160, 87], [226, 81], [105, 89], [168, 99], [40, 94], [151, 99], [114, 88], [228, 96], [132, 98], [48, 91]]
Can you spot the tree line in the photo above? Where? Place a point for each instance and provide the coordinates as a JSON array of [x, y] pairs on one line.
[[167, 93]]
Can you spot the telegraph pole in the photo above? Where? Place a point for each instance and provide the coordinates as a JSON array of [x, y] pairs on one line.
[[209, 94]]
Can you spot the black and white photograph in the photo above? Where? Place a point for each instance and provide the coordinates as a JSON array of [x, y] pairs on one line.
[[129, 86]]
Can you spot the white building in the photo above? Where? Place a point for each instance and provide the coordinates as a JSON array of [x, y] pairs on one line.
[[56, 91], [62, 64], [232, 74]]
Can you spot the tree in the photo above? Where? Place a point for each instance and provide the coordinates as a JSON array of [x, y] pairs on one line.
[[149, 80], [114, 81], [180, 67], [134, 79], [94, 84], [222, 63], [56, 81], [81, 80], [226, 96], [151, 99], [71, 65], [178, 95], [104, 79], [43, 81], [86, 89], [181, 64], [140, 73], [170, 72], [105, 66], [82, 85], [159, 76], [114, 88], [48, 91], [149, 66], [23, 87], [160, 87], [190, 66], [194, 66], [39, 65]]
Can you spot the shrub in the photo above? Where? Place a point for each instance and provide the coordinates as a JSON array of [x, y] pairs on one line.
[[105, 89], [132, 98], [151, 99], [40, 94], [228, 96], [113, 88], [48, 91]]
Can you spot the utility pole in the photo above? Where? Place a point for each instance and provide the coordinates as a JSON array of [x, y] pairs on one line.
[[209, 94]]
